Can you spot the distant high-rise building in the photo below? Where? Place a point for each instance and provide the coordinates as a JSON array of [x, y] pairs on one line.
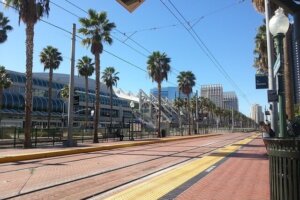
[[168, 92], [214, 93], [256, 113], [230, 101]]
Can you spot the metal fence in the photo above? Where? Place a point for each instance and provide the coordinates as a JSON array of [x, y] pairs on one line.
[[14, 137]]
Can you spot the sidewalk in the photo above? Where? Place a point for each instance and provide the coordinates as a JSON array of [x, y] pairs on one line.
[[14, 155], [244, 175], [232, 172], [227, 174]]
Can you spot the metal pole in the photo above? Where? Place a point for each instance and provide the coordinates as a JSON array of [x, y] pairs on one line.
[[197, 123], [70, 141], [280, 85], [270, 50], [232, 120]]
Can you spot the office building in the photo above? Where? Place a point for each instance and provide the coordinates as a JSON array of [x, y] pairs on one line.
[[214, 93], [230, 101], [257, 113]]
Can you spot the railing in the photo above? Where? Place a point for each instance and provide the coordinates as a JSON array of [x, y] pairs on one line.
[[14, 137]]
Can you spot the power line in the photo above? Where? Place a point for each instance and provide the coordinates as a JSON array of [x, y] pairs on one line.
[[66, 31], [213, 57], [123, 34], [193, 21], [205, 48], [141, 46], [64, 9]]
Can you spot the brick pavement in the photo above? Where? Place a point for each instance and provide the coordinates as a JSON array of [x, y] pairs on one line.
[[244, 176], [13, 155]]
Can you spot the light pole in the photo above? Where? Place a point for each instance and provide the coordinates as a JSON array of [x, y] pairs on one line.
[[283, 151], [131, 131], [278, 26]]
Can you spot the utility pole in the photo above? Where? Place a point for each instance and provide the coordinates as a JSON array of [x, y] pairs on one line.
[[232, 120], [70, 142], [197, 119]]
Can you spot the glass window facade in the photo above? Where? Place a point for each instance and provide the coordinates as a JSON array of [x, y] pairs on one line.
[[13, 98]]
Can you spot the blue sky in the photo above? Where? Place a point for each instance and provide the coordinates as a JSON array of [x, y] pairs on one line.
[[226, 27]]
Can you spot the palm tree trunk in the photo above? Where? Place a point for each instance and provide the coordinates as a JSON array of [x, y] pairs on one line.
[[97, 99], [1, 97], [110, 107], [28, 84], [189, 114], [50, 96], [159, 108], [288, 79], [86, 101]]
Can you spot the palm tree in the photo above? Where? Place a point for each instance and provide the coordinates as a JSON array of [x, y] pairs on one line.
[[186, 82], [260, 51], [97, 30], [259, 5], [158, 66], [4, 27], [51, 59], [5, 82], [30, 11], [86, 68], [110, 79]]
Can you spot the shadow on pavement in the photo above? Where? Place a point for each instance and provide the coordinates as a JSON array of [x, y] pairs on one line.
[[242, 155], [249, 145]]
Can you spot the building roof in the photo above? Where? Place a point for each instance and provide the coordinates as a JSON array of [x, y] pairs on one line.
[[126, 95]]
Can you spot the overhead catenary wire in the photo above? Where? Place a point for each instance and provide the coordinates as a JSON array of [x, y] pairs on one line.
[[79, 37], [204, 48], [123, 34], [127, 38]]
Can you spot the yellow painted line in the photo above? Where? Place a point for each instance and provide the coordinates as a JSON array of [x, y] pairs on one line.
[[159, 186], [78, 150]]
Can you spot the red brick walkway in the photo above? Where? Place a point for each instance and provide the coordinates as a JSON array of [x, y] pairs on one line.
[[244, 176]]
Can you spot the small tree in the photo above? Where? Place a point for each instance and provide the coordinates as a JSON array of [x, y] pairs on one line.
[[5, 82], [186, 82], [51, 59], [86, 69], [110, 79]]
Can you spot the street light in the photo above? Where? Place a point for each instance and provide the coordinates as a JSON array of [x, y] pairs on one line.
[[284, 161], [131, 131], [279, 25]]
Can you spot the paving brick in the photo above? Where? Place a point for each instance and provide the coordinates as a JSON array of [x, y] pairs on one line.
[[244, 176]]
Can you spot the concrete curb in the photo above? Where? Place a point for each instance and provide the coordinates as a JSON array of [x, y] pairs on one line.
[[32, 156]]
